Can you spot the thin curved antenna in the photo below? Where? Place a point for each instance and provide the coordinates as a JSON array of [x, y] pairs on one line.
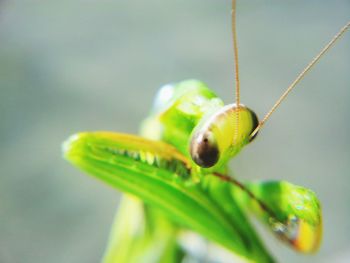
[[235, 50], [236, 65], [300, 77]]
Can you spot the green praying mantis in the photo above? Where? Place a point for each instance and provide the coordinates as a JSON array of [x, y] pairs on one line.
[[176, 178]]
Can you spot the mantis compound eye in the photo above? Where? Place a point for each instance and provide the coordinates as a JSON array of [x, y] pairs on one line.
[[204, 150], [255, 123]]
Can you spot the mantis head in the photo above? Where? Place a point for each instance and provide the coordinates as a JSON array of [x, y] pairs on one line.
[[222, 135]]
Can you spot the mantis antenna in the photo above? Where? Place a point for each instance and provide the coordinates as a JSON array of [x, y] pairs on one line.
[[235, 50], [300, 77], [236, 68]]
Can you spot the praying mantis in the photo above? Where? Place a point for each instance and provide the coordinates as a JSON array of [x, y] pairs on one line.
[[178, 168]]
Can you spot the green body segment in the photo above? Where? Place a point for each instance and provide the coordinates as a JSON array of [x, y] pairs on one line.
[[159, 170], [177, 109], [142, 234], [177, 196]]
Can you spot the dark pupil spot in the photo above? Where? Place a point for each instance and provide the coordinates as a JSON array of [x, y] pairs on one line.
[[255, 123], [208, 155]]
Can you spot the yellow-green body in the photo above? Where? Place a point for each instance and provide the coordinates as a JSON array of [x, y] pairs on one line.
[[178, 195]]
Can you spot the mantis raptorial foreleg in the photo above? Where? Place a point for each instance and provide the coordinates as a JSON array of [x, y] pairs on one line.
[[162, 177], [166, 184]]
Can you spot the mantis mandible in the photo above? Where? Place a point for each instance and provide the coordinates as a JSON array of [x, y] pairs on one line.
[[178, 167]]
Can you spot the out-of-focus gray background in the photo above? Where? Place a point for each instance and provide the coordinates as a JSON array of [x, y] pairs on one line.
[[70, 65]]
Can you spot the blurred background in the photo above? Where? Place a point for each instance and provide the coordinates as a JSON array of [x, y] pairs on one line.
[[74, 65]]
